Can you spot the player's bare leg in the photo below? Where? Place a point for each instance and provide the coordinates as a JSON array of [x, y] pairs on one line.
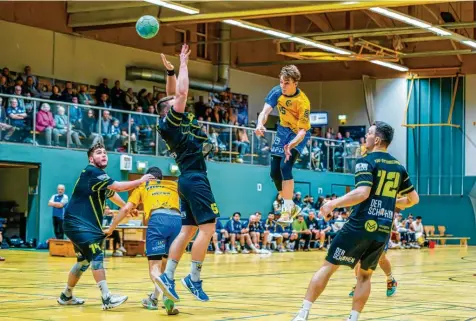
[[316, 287], [362, 293], [156, 268], [386, 266]]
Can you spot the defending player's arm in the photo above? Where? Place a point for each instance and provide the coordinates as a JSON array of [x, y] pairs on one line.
[[127, 185], [363, 187], [171, 82], [125, 209], [411, 197], [116, 199], [181, 92]]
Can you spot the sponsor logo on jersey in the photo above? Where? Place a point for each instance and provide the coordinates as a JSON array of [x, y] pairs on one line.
[[371, 226], [362, 167]]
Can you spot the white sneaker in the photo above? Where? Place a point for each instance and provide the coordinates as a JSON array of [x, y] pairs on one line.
[[218, 252], [264, 251], [233, 251], [301, 316], [113, 300], [282, 250], [117, 254], [122, 249], [64, 300], [245, 251]]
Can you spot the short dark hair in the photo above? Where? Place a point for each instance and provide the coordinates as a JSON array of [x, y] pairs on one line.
[[155, 171], [418, 217], [384, 131], [94, 148], [237, 213], [164, 100]]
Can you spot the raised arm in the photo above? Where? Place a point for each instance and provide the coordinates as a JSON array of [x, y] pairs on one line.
[[181, 93], [262, 119], [171, 77], [127, 186]]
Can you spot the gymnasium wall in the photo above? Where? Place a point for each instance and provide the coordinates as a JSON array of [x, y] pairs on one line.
[[68, 57], [470, 126], [235, 185], [14, 183]]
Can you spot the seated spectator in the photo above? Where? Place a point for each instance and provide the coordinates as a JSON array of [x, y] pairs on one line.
[[275, 233], [104, 101], [75, 114], [45, 92], [313, 226], [27, 73], [289, 237], [325, 230], [90, 127], [308, 203], [300, 228], [102, 88], [29, 86], [298, 199], [3, 85], [411, 232], [263, 232], [419, 231], [68, 94], [254, 230], [278, 204], [45, 124], [117, 96], [62, 125], [220, 234], [132, 137], [142, 98], [6, 74], [242, 144], [17, 117], [143, 124], [234, 228], [56, 94], [3, 124]]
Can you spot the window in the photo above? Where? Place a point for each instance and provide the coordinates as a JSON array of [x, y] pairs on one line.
[[180, 39], [202, 48]]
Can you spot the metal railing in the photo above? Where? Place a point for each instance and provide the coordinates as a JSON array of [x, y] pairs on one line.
[[132, 132]]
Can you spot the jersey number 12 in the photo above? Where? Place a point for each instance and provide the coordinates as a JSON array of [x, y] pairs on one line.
[[388, 183]]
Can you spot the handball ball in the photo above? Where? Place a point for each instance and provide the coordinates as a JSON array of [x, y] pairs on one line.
[[147, 27]]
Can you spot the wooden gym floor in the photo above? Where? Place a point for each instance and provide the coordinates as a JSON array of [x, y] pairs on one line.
[[435, 284]]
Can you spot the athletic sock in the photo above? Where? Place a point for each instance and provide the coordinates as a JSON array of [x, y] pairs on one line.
[[156, 294], [354, 316], [195, 270], [288, 205], [68, 291], [104, 289], [306, 305], [389, 277], [170, 268]]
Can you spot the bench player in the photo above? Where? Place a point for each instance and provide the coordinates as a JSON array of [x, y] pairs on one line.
[[378, 179]]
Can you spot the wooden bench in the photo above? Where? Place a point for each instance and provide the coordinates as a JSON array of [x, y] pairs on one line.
[[463, 241]]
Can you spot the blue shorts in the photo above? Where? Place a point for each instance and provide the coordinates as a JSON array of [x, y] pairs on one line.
[[197, 201], [162, 230], [283, 137]]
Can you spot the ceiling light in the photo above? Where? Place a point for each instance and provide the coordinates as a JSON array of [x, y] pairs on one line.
[[401, 17], [470, 43], [174, 6], [319, 45], [276, 34], [349, 2], [440, 32], [389, 65]]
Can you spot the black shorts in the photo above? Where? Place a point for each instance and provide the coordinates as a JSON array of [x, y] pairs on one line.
[[198, 204], [348, 248], [90, 250]]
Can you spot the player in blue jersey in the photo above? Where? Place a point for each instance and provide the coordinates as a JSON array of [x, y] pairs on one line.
[[83, 224], [379, 177], [186, 141], [292, 135]]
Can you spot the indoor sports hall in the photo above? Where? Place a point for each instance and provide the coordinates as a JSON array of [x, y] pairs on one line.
[[79, 74]]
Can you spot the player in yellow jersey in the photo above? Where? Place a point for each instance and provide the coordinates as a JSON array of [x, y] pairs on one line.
[[293, 133], [162, 211]]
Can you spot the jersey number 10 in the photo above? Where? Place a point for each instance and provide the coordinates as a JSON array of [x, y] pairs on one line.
[[388, 183]]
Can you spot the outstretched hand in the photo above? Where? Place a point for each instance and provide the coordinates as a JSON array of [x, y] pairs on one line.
[[260, 130], [184, 54], [166, 63]]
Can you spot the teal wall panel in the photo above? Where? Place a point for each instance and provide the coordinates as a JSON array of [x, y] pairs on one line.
[[234, 185]]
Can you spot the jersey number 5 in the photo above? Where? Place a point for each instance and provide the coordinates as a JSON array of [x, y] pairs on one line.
[[388, 182], [282, 110], [214, 208]]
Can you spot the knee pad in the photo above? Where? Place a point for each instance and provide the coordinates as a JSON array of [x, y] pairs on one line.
[[79, 268], [98, 262]]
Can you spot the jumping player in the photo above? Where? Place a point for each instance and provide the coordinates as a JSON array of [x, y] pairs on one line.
[[378, 179], [82, 224], [162, 211], [292, 135], [185, 140]]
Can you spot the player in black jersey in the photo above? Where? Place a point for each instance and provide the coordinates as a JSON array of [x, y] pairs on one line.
[[83, 224], [379, 177], [185, 140]]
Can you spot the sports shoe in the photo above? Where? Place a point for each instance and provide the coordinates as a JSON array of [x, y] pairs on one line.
[[233, 251], [245, 251], [218, 252], [117, 254], [167, 286], [351, 294], [169, 307], [285, 220], [195, 288], [392, 288], [149, 303], [301, 316], [113, 300], [64, 300]]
